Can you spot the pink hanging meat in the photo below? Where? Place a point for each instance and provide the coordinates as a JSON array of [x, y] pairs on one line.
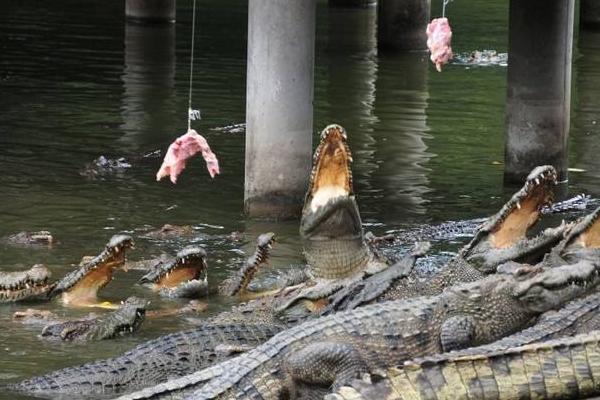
[[183, 148], [439, 36]]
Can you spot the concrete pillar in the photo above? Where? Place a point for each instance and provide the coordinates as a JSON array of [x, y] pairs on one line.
[[589, 14], [402, 24], [150, 10], [148, 100], [279, 110], [352, 3], [539, 86]]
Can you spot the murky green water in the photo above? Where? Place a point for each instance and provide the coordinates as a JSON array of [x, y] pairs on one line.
[[76, 82]]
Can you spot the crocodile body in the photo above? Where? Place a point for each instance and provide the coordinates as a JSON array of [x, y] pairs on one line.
[[564, 368], [29, 285], [330, 350], [127, 319], [156, 361]]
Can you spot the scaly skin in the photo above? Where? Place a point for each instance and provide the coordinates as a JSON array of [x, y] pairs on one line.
[[333, 349], [27, 285], [184, 276], [127, 319], [564, 368], [80, 287], [165, 357]]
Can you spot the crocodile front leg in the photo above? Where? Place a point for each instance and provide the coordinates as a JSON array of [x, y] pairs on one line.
[[322, 365]]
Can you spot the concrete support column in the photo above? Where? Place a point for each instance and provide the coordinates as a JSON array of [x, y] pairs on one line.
[[279, 110], [589, 14], [352, 3], [150, 10], [539, 86], [401, 24]]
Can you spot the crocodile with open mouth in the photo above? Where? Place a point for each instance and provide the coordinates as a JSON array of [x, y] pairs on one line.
[[501, 238], [184, 276], [80, 286], [29, 285]]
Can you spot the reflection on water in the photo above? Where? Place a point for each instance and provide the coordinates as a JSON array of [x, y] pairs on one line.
[[400, 105], [77, 82], [585, 137], [149, 82]]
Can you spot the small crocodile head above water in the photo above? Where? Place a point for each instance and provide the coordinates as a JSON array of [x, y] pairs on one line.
[[331, 227], [503, 236], [37, 238], [80, 287], [187, 269], [122, 321], [24, 285]]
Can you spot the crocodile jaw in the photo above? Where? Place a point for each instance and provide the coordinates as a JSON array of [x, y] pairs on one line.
[[510, 225], [85, 291]]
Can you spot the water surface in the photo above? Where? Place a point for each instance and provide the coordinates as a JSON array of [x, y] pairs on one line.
[[77, 82]]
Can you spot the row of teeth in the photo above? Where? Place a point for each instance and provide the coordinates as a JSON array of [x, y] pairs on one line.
[[180, 264], [24, 284]]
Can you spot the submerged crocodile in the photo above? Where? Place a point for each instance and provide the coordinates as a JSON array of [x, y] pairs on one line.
[[331, 350], [27, 285], [184, 276], [125, 320], [80, 287], [38, 238]]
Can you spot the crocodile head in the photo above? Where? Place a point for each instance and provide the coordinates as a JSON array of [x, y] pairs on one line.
[[188, 265], [503, 303], [582, 241], [503, 237], [80, 287], [126, 319], [37, 238], [24, 285], [331, 227]]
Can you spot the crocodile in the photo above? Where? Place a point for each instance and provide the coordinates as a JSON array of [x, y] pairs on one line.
[[157, 360], [168, 231], [37, 238], [331, 350], [80, 286], [563, 368], [501, 238], [125, 320], [29, 285], [184, 276]]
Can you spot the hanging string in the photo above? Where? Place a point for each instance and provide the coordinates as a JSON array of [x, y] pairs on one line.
[[444, 3], [192, 114]]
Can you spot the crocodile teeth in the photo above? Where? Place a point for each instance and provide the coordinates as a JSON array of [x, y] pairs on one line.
[[537, 181], [519, 205]]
